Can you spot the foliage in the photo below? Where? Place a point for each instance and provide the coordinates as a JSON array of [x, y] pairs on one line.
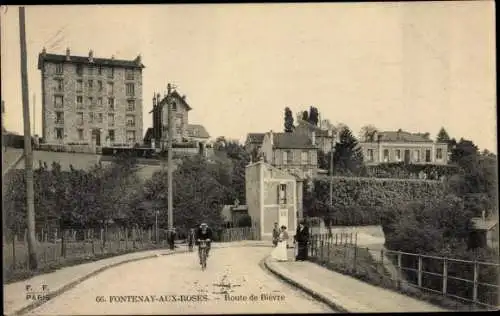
[[442, 136], [245, 221], [367, 133], [313, 116], [289, 127], [401, 170], [348, 157], [305, 116]]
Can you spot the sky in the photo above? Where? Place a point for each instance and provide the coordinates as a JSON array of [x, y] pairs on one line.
[[415, 66]]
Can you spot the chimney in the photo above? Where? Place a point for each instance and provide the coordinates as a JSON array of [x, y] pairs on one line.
[[44, 52], [91, 56], [68, 52], [271, 137], [138, 60], [169, 89], [183, 97], [313, 137]]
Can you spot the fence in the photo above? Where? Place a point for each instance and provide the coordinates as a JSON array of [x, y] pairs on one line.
[[56, 248], [471, 282], [238, 234]]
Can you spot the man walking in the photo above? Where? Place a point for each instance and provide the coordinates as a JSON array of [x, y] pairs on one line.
[[276, 234], [302, 239]]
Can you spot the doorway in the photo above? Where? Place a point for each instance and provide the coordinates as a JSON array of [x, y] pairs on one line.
[[96, 137], [407, 156]]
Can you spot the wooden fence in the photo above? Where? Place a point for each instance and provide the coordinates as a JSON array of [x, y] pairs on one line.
[[446, 277]]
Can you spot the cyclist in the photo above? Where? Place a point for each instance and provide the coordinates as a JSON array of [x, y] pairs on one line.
[[203, 233]]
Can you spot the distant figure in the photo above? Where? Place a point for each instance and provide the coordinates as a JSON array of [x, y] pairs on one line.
[[280, 252], [302, 239], [276, 234], [191, 238]]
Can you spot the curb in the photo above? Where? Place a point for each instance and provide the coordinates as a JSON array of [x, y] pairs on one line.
[[71, 285], [318, 296]]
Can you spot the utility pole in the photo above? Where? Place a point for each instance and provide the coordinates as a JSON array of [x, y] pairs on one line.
[[28, 153], [34, 115], [331, 168], [169, 158]]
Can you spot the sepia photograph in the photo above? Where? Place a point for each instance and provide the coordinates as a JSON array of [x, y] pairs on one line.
[[249, 158]]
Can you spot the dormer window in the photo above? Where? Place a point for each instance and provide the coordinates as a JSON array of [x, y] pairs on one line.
[[174, 106]]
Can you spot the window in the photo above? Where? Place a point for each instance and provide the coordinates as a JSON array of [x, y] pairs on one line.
[[174, 106], [99, 70], [110, 88], [79, 101], [80, 134], [91, 70], [91, 85], [398, 155], [285, 157], [427, 155], [111, 119], [58, 101], [131, 136], [59, 85], [129, 74], [99, 118], [416, 155], [111, 135], [79, 70], [369, 154], [90, 101], [99, 85], [59, 117], [111, 104], [79, 86], [130, 121], [282, 194], [99, 101], [59, 133], [79, 119], [386, 155], [178, 122], [111, 72], [131, 105], [304, 157], [130, 89], [59, 69], [439, 154], [91, 117]]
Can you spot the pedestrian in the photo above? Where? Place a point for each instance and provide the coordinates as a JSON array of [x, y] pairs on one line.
[[280, 252], [302, 239], [191, 237], [276, 234]]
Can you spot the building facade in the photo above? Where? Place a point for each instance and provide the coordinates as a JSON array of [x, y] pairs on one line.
[[401, 146], [91, 101], [182, 130], [291, 152], [254, 141], [273, 196], [322, 138]]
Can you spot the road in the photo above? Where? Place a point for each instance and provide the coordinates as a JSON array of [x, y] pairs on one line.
[[155, 283]]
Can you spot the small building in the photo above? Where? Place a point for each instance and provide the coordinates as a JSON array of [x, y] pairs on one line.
[[401, 146], [484, 233], [273, 196]]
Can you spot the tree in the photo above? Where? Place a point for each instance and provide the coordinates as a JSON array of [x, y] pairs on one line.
[[442, 136], [367, 133], [288, 120], [348, 157], [313, 115]]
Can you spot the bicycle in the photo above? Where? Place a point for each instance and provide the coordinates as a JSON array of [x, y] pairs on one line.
[[204, 253]]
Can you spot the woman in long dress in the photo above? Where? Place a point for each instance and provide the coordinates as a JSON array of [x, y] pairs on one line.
[[280, 252]]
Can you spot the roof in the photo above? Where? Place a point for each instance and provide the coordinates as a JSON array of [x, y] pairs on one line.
[[292, 141], [319, 132], [402, 136], [255, 137], [176, 95], [196, 130], [44, 57]]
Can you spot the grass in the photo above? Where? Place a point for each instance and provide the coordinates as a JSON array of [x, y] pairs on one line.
[[50, 259], [368, 270]]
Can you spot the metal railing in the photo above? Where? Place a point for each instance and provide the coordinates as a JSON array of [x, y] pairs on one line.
[[457, 279]]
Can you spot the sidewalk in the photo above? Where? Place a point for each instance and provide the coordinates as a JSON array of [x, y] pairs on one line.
[[345, 293], [64, 279]]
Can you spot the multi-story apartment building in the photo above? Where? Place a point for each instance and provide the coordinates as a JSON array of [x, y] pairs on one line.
[[292, 152], [91, 101], [182, 131], [401, 146]]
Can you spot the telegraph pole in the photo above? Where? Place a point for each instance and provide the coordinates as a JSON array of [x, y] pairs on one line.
[[169, 158], [28, 153], [331, 168]]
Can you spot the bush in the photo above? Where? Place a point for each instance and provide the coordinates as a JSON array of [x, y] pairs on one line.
[[245, 221]]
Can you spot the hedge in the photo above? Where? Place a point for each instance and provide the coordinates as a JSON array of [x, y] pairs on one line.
[[403, 170]]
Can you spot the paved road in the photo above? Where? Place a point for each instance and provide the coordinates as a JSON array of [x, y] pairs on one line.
[[235, 271]]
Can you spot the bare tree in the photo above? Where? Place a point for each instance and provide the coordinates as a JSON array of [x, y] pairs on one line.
[[367, 132]]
